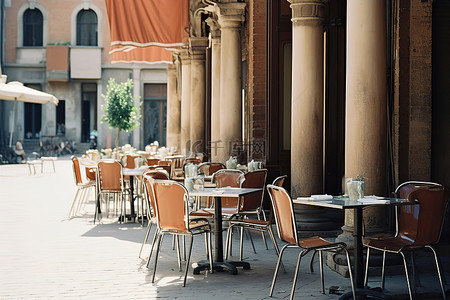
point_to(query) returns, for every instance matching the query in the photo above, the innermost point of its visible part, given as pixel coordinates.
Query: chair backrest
(152, 161)
(165, 163)
(167, 168)
(284, 214)
(157, 174)
(149, 177)
(227, 177)
(403, 190)
(130, 161)
(279, 180)
(76, 171)
(110, 176)
(255, 179)
(429, 219)
(90, 173)
(171, 205)
(209, 168)
(407, 222)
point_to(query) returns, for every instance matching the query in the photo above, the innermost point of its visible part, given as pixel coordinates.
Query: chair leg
(383, 271)
(158, 246)
(228, 241)
(210, 251)
(415, 274)
(241, 243)
(178, 252)
(350, 272)
(276, 270)
(366, 274)
(73, 203)
(407, 275)
(249, 235)
(311, 262)
(438, 268)
(187, 260)
(321, 271)
(297, 268)
(153, 245)
(149, 227)
(275, 245)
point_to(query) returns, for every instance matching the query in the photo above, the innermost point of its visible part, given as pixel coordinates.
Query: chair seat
(250, 222)
(395, 244)
(316, 242)
(201, 213)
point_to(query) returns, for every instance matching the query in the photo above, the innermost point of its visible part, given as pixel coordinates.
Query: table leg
(359, 262)
(358, 247)
(219, 264)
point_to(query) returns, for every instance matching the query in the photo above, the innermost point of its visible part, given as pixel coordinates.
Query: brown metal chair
(82, 186)
(110, 182)
(209, 168)
(419, 227)
(252, 204)
(254, 224)
(172, 214)
(224, 178)
(287, 232)
(152, 161)
(149, 177)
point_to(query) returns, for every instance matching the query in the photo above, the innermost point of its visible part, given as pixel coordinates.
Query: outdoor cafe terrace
(45, 254)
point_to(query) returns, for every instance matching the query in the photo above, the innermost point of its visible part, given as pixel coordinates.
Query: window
(32, 28)
(87, 28)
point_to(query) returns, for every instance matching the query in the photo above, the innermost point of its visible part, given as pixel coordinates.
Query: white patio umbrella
(16, 91)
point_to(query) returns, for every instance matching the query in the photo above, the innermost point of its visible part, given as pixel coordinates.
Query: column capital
(308, 12)
(230, 14)
(198, 47)
(214, 27)
(185, 56)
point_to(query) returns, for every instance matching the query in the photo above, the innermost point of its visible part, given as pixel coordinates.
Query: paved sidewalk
(43, 254)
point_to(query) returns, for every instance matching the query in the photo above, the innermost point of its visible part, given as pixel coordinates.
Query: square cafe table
(219, 263)
(343, 202)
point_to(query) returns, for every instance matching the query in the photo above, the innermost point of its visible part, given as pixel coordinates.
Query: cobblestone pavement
(44, 255)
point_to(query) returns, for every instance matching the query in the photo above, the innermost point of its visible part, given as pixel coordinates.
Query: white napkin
(373, 200)
(322, 197)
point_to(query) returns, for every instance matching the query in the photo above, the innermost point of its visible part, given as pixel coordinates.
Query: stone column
(173, 108)
(215, 86)
(307, 97)
(198, 93)
(230, 17)
(185, 131)
(366, 128)
(307, 115)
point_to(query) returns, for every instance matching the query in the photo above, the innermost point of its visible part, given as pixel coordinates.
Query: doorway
(88, 110)
(155, 113)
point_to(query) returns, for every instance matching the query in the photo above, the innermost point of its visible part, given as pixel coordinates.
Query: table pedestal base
(228, 265)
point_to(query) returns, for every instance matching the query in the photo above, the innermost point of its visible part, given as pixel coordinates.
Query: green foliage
(119, 110)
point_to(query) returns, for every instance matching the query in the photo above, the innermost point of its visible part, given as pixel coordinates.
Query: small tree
(119, 110)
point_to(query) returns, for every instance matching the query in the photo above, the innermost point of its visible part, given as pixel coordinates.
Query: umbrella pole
(11, 124)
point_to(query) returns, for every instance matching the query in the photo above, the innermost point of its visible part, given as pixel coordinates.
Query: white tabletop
(343, 202)
(224, 192)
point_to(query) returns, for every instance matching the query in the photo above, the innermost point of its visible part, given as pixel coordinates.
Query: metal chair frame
(287, 232)
(413, 245)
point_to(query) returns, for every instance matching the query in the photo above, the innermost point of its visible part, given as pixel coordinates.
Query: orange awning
(150, 54)
(136, 25)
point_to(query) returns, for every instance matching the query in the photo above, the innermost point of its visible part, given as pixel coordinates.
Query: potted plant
(119, 110)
